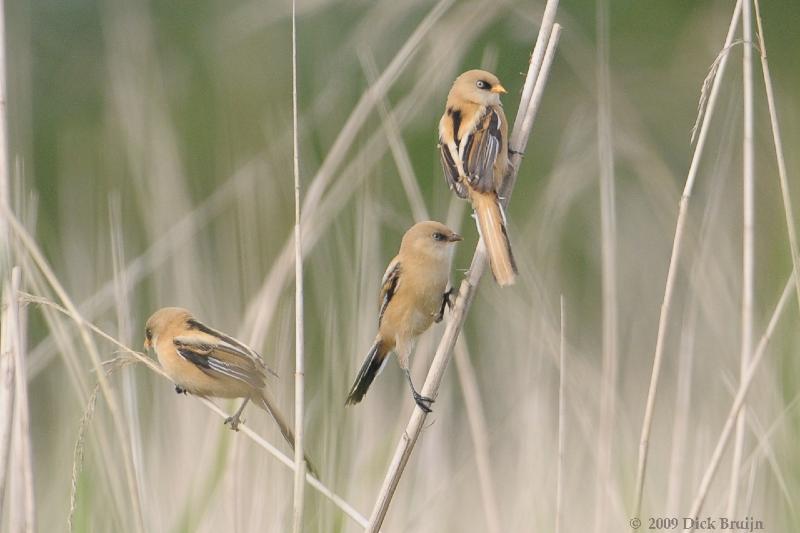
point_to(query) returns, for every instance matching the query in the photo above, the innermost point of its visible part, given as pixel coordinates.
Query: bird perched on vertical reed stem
(413, 295)
(473, 144)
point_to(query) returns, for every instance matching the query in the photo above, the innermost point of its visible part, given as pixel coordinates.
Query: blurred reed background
(150, 156)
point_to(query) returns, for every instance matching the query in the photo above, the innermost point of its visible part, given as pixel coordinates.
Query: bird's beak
(455, 237)
(146, 344)
(499, 89)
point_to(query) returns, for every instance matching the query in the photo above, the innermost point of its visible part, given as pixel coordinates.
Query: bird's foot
(515, 152)
(423, 402)
(180, 390)
(233, 422)
(447, 301)
(448, 297)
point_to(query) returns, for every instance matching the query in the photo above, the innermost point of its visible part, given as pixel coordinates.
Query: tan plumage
(205, 362)
(413, 296)
(473, 144)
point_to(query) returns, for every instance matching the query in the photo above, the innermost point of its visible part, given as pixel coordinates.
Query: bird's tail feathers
(492, 228)
(265, 401)
(370, 368)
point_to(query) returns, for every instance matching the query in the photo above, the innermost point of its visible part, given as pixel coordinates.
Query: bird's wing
(480, 150)
(389, 286)
(230, 345)
(451, 174)
(217, 358)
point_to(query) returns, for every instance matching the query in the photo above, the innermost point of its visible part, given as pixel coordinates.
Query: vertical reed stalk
(480, 434)
(299, 359)
(748, 253)
(776, 137)
(5, 181)
(672, 271)
(741, 394)
(22, 452)
(6, 393)
(608, 224)
(562, 372)
(465, 295)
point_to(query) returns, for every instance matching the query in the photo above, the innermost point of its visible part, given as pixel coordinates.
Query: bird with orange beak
(473, 144)
(413, 296)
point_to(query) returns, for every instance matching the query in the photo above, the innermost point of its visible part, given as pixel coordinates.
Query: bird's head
(430, 238)
(161, 320)
(479, 87)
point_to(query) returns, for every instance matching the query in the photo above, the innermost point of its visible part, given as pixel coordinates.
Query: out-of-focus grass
(166, 105)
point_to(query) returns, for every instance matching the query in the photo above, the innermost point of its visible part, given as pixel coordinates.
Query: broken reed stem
(748, 255)
(243, 428)
(299, 342)
(672, 271)
(741, 394)
(776, 137)
(466, 293)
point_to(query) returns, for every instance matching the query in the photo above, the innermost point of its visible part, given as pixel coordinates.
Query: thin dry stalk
(680, 421)
(672, 271)
(5, 185)
(608, 223)
(22, 453)
(465, 296)
(741, 395)
(258, 311)
(537, 57)
(399, 151)
(36, 255)
(704, 90)
(317, 221)
(476, 417)
(130, 391)
(299, 353)
(776, 137)
(80, 442)
(562, 372)
(243, 428)
(748, 254)
(6, 391)
(338, 501)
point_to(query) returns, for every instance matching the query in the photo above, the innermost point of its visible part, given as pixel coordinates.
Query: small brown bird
(473, 144)
(205, 362)
(413, 295)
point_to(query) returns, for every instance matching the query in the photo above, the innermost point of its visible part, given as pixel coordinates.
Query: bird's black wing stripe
(455, 114)
(211, 365)
(481, 152)
(388, 290)
(451, 171)
(197, 359)
(193, 323)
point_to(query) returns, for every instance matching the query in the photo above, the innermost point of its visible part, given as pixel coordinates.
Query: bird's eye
(482, 84)
(149, 334)
(438, 236)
